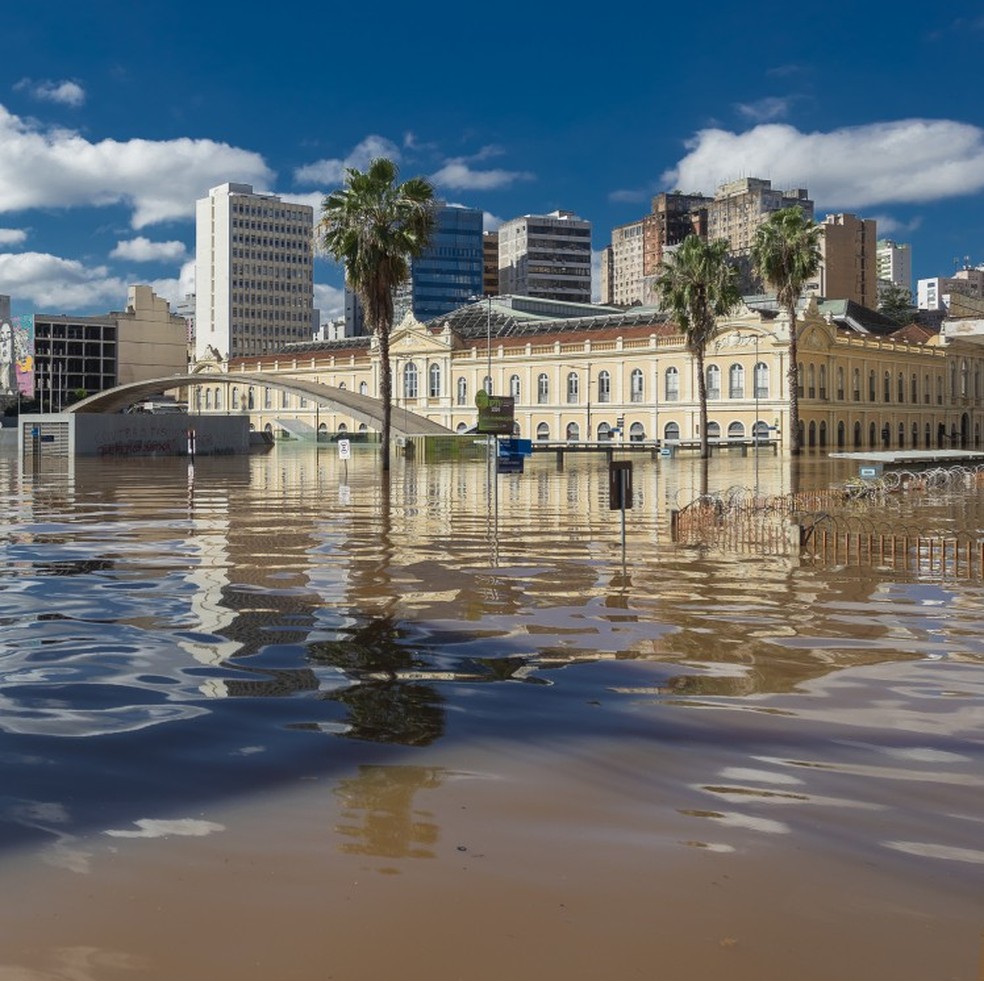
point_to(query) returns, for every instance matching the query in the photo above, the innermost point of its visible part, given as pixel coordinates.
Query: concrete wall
(142, 434)
(151, 341)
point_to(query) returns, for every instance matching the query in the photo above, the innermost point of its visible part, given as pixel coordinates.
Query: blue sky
(115, 116)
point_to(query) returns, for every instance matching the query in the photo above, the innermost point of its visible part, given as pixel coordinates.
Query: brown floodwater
(260, 719)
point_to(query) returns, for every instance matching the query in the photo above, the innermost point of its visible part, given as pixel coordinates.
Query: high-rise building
(546, 256)
(740, 206)
(895, 263)
(622, 266)
(848, 260)
(254, 272)
(448, 273)
(490, 263)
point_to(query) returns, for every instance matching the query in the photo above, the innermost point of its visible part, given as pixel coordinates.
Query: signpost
(620, 491)
(496, 414)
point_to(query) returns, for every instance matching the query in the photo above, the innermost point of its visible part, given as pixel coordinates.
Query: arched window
(736, 382)
(856, 385)
(251, 397)
(671, 431)
(841, 435)
(604, 386)
(840, 383)
(964, 379)
(953, 379)
(760, 431)
(543, 431)
(363, 388)
(342, 428)
(604, 432)
(857, 435)
(914, 391)
(812, 434)
(514, 386)
(901, 435)
(268, 428)
(322, 428)
(872, 435)
(760, 380)
(572, 386)
(267, 397)
(410, 374)
(542, 389)
(487, 384)
(822, 390)
(284, 399)
(672, 385)
(927, 390)
(714, 430)
(637, 432)
(871, 385)
(573, 432)
(939, 390)
(736, 430)
(713, 381)
(218, 398)
(887, 387)
(901, 387)
(462, 391)
(811, 381)
(208, 398)
(363, 427)
(461, 427)
(636, 385)
(434, 381)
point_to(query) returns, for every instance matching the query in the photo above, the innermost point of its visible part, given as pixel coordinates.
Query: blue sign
(515, 447)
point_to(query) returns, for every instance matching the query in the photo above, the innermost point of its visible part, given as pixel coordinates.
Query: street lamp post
(488, 339)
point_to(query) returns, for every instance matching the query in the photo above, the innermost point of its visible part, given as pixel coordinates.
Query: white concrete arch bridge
(361, 408)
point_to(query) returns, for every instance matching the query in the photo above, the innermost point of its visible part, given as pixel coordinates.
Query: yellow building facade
(630, 377)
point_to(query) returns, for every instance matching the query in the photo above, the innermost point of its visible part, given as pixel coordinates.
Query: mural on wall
(17, 356)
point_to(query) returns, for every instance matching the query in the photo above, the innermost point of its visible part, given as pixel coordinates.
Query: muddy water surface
(261, 720)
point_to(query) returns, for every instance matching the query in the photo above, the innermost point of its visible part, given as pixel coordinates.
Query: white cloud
(887, 225)
(54, 284)
(764, 110)
(330, 300)
(856, 167)
(628, 196)
(66, 93)
(332, 172)
(12, 236)
(159, 179)
(175, 290)
(491, 222)
(142, 249)
(459, 175)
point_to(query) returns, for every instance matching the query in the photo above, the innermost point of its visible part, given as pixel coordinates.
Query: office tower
(895, 263)
(546, 256)
(848, 264)
(448, 273)
(254, 272)
(490, 263)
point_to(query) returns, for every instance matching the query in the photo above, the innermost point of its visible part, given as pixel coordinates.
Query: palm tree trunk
(705, 450)
(386, 393)
(795, 444)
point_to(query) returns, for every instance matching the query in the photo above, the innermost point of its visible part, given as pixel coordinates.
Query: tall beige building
(254, 272)
(740, 206)
(849, 260)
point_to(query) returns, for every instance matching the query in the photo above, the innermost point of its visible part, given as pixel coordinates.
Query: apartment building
(546, 256)
(932, 292)
(740, 206)
(622, 266)
(894, 263)
(490, 263)
(254, 272)
(848, 260)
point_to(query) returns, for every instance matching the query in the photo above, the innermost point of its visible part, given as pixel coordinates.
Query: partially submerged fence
(841, 526)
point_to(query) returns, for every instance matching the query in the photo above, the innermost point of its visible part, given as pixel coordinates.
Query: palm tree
(699, 284)
(786, 254)
(375, 226)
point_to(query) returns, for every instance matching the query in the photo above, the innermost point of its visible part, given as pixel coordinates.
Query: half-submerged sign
(496, 413)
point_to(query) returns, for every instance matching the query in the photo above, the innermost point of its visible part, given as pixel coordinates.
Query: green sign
(495, 413)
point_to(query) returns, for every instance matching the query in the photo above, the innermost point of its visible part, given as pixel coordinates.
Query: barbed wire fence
(859, 522)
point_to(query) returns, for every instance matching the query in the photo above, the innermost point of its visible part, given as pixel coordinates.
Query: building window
(671, 431)
(760, 380)
(636, 385)
(487, 385)
(462, 392)
(410, 381)
(823, 381)
(637, 432)
(434, 381)
(887, 387)
(672, 382)
(604, 387)
(604, 432)
(251, 397)
(713, 430)
(573, 432)
(736, 382)
(572, 387)
(856, 385)
(543, 431)
(914, 394)
(713, 381)
(871, 386)
(514, 386)
(235, 396)
(542, 389)
(901, 387)
(736, 430)
(363, 388)
(840, 384)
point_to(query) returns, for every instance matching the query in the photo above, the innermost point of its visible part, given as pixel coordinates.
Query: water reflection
(379, 813)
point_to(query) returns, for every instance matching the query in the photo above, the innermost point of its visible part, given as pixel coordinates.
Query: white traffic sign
(344, 449)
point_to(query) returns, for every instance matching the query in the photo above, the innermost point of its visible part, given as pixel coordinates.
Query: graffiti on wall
(17, 356)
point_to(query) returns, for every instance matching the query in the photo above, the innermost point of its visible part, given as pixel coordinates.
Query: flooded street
(261, 720)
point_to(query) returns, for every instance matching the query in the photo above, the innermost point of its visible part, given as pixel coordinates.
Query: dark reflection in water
(171, 636)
